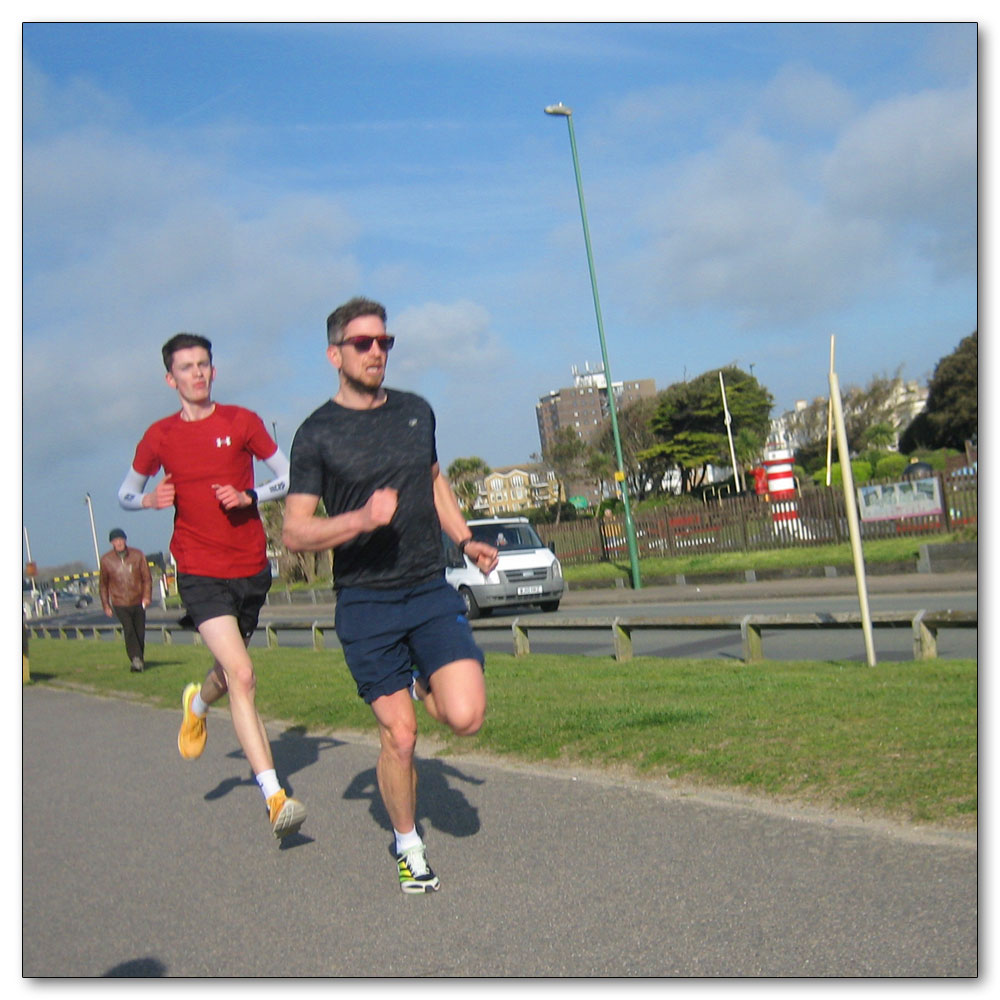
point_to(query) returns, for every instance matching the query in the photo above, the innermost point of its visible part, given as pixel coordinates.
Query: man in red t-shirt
(206, 451)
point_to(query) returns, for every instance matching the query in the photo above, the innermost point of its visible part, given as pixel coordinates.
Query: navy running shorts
(386, 635)
(206, 597)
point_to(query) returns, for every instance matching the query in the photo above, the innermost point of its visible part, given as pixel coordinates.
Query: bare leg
(233, 673)
(397, 777)
(458, 696)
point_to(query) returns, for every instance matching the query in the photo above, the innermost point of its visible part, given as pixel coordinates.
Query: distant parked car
(67, 598)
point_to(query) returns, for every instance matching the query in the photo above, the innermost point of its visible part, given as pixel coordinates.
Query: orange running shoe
(194, 734)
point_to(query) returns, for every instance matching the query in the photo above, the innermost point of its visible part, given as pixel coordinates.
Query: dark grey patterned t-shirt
(344, 455)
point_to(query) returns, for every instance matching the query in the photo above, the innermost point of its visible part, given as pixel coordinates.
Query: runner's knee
(399, 738)
(241, 680)
(466, 721)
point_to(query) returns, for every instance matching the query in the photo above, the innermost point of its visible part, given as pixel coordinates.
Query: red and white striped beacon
(778, 461)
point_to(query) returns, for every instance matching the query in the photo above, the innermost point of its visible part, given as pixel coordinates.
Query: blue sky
(752, 189)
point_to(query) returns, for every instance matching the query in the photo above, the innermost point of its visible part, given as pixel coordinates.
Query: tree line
(682, 430)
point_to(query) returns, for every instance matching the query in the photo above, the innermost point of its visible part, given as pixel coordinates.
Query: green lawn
(887, 550)
(897, 741)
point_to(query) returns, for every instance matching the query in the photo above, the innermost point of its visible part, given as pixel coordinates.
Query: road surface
(136, 862)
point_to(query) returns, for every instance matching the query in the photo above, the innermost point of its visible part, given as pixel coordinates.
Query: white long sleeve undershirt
(130, 493)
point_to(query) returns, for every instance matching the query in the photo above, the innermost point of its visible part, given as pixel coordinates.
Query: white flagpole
(729, 432)
(853, 524)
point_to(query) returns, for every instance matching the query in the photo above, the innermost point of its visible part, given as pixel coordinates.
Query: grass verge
(898, 741)
(884, 550)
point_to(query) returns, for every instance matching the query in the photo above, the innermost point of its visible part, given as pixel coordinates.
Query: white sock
(198, 706)
(404, 841)
(268, 781)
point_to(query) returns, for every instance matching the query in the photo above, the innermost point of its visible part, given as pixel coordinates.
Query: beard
(364, 388)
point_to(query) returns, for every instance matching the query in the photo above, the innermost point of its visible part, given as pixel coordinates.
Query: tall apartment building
(584, 405)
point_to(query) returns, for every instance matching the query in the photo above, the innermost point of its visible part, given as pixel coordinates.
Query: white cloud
(800, 97)
(737, 232)
(47, 108)
(775, 228)
(911, 163)
(455, 338)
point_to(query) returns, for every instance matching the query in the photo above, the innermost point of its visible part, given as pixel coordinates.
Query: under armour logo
(219, 442)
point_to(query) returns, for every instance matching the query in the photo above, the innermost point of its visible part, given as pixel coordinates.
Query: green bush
(861, 471)
(891, 465)
(938, 459)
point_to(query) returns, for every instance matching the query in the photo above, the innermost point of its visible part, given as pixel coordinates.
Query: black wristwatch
(463, 543)
(253, 496)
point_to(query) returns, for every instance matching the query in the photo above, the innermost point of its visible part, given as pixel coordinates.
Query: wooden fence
(748, 523)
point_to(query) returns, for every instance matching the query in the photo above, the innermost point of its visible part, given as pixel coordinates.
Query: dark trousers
(133, 619)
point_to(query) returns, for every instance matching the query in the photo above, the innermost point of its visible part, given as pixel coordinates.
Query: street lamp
(633, 553)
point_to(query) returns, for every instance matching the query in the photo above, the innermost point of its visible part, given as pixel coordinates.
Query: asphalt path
(138, 863)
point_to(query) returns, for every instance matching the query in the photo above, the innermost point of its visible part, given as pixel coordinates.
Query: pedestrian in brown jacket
(126, 590)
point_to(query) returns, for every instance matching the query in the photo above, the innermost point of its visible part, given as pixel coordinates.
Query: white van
(527, 573)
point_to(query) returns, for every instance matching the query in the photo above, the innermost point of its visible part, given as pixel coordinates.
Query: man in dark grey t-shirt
(370, 455)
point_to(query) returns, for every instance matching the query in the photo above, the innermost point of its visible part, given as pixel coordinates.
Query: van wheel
(550, 605)
(471, 608)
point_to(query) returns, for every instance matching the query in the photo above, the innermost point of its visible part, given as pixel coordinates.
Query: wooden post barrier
(926, 625)
(621, 639)
(923, 624)
(924, 638)
(753, 642)
(520, 634)
(319, 639)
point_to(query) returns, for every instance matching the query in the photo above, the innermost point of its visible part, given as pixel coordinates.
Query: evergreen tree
(951, 414)
(689, 421)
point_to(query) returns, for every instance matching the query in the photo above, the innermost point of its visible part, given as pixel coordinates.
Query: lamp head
(559, 109)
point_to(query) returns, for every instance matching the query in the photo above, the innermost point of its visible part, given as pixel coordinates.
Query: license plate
(536, 589)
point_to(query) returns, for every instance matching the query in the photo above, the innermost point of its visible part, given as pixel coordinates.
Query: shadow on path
(137, 968)
(293, 751)
(445, 807)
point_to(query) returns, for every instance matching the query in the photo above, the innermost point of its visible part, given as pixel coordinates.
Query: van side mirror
(552, 547)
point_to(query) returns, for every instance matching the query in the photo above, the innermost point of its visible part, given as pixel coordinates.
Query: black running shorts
(206, 597)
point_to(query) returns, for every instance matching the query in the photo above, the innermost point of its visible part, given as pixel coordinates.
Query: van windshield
(507, 536)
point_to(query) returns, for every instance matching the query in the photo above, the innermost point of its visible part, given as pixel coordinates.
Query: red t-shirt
(207, 540)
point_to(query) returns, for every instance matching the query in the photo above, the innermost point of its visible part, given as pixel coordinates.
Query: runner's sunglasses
(364, 344)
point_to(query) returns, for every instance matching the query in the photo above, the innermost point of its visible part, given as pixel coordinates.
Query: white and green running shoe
(415, 874)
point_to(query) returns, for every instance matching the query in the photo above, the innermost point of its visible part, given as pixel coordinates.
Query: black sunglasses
(364, 344)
